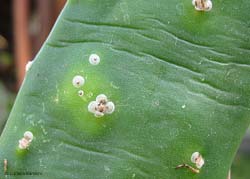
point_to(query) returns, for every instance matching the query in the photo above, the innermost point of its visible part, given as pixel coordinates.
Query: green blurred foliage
(6, 102)
(240, 167)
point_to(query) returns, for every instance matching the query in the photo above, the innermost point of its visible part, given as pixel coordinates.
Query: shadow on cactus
(134, 89)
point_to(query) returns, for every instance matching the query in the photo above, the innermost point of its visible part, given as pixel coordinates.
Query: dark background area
(24, 26)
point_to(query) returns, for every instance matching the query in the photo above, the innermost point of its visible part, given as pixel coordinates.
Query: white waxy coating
(94, 59)
(101, 98)
(28, 65)
(110, 107)
(28, 135)
(80, 92)
(78, 81)
(92, 106)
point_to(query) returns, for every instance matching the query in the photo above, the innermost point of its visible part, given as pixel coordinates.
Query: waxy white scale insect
(26, 140)
(197, 159)
(110, 107)
(78, 81)
(202, 5)
(94, 59)
(28, 65)
(80, 92)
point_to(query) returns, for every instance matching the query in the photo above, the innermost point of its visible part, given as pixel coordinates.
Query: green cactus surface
(179, 79)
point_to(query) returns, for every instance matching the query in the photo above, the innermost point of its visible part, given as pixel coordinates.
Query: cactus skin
(179, 80)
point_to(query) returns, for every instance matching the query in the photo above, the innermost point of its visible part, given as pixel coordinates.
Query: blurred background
(24, 26)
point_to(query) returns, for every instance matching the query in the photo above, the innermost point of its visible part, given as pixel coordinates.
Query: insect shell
(78, 81)
(202, 5)
(197, 159)
(25, 142)
(94, 59)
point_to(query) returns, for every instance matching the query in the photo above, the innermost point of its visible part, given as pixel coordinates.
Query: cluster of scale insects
(102, 105)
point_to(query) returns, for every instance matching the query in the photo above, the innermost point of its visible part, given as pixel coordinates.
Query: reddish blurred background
(24, 26)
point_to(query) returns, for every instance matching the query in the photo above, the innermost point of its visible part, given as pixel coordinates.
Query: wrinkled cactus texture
(179, 79)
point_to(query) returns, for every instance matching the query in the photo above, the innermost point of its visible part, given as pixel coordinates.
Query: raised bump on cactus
(202, 5)
(197, 159)
(94, 59)
(78, 81)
